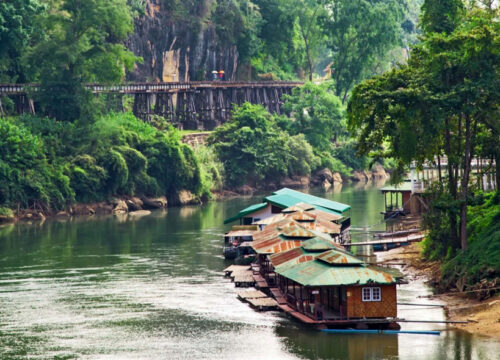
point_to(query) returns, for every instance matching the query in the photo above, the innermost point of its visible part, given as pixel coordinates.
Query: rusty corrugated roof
(318, 243)
(297, 231)
(275, 245)
(302, 216)
(334, 257)
(298, 207)
(325, 215)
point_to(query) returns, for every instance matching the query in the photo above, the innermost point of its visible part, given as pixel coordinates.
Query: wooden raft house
(302, 264)
(336, 289)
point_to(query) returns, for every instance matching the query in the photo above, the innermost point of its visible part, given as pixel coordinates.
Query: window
(371, 294)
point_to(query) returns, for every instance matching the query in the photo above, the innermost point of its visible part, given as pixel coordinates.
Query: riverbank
(483, 316)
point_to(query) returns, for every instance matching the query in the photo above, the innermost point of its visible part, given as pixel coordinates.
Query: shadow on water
(151, 287)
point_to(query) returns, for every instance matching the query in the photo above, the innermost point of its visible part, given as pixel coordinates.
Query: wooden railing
(133, 88)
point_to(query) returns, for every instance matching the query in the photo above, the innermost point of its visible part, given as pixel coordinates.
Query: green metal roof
(246, 211)
(319, 273)
(404, 186)
(288, 197)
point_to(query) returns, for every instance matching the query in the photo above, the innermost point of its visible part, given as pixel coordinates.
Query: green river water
(152, 288)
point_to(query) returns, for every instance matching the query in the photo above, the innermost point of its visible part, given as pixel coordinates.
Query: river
(151, 288)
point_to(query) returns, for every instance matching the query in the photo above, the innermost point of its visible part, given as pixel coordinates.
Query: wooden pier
(389, 243)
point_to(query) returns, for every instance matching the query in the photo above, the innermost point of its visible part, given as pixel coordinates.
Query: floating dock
(258, 300)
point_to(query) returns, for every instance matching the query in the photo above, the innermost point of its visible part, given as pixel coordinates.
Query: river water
(151, 288)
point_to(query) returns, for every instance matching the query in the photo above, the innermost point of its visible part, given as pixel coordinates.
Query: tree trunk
(465, 183)
(309, 62)
(439, 167)
(497, 172)
(452, 184)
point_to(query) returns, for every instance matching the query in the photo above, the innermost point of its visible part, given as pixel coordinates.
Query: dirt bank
(484, 316)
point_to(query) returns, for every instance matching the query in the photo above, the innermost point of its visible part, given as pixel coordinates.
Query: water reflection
(313, 345)
(151, 287)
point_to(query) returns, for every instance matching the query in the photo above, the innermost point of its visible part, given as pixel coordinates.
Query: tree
(437, 104)
(359, 32)
(307, 13)
(317, 113)
(83, 43)
(16, 31)
(254, 149)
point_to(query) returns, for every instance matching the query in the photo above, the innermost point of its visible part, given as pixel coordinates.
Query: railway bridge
(188, 105)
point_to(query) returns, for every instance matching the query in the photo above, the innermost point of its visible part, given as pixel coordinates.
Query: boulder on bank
(154, 203)
(82, 209)
(120, 207)
(326, 184)
(134, 203)
(324, 174)
(337, 178)
(245, 190)
(358, 176)
(185, 197)
(378, 172)
(62, 215)
(297, 182)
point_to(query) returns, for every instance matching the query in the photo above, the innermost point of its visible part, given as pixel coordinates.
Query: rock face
(176, 47)
(155, 203)
(325, 174)
(296, 182)
(120, 207)
(358, 176)
(185, 197)
(337, 178)
(378, 172)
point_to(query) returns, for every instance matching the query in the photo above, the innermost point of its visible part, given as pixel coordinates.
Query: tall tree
(438, 102)
(359, 32)
(83, 43)
(17, 29)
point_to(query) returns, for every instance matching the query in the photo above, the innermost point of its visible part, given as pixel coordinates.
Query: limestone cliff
(179, 45)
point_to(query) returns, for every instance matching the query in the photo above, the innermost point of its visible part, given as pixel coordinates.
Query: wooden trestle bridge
(189, 105)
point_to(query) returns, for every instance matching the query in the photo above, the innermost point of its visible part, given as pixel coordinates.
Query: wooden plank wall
(357, 308)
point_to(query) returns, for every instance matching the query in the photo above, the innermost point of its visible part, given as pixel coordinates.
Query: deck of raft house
(303, 268)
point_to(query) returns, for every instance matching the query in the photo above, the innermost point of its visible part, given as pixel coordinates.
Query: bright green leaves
(254, 149)
(82, 43)
(318, 114)
(359, 34)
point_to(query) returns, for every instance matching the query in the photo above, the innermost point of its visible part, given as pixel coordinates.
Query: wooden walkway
(387, 241)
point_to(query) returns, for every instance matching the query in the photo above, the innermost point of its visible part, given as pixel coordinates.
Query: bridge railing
(20, 89)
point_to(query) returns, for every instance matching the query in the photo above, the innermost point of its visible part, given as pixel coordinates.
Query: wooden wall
(357, 308)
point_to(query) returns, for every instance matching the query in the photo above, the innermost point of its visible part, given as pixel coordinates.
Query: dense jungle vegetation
(74, 149)
(405, 81)
(444, 102)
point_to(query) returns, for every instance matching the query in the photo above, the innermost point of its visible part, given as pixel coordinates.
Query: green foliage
(441, 16)
(83, 43)
(320, 116)
(26, 176)
(212, 170)
(48, 163)
(254, 149)
(17, 30)
(360, 33)
(8, 213)
(482, 258)
(317, 113)
(302, 158)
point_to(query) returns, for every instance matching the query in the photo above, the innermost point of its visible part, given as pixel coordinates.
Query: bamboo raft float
(257, 300)
(241, 275)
